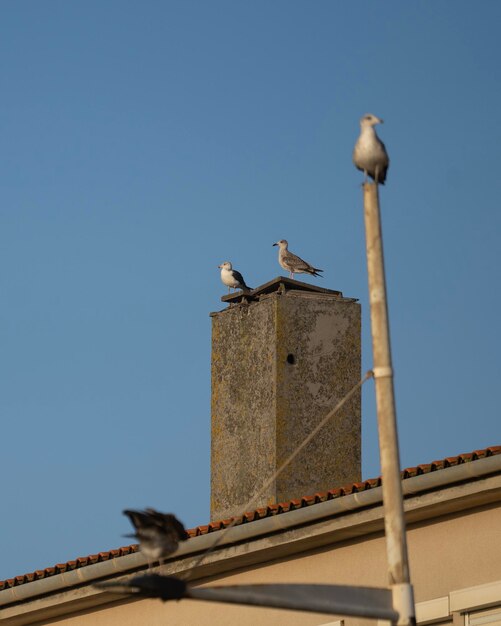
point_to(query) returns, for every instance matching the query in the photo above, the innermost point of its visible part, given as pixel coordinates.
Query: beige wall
(451, 553)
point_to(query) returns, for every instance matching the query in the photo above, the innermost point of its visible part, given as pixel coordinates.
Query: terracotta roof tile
(284, 507)
(250, 516)
(438, 465)
(321, 497)
(349, 489)
(360, 486)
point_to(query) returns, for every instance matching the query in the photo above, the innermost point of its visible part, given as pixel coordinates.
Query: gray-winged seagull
(232, 278)
(369, 154)
(292, 263)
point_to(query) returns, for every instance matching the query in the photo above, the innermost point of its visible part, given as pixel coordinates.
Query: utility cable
(252, 502)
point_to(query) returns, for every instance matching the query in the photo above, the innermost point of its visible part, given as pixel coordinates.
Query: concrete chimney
(282, 357)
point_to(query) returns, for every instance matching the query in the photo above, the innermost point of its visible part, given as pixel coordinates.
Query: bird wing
(385, 153)
(240, 280)
(383, 162)
(171, 525)
(137, 518)
(297, 263)
(237, 276)
(150, 519)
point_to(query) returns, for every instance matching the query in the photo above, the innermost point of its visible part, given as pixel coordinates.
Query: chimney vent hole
(291, 359)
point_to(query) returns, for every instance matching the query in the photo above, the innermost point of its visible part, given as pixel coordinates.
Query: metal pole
(396, 544)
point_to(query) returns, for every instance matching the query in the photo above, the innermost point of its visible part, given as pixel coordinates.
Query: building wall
(279, 366)
(447, 554)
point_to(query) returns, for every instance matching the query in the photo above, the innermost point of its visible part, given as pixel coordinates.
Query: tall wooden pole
(396, 544)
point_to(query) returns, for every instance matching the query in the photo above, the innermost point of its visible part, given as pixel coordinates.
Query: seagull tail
(314, 272)
(381, 176)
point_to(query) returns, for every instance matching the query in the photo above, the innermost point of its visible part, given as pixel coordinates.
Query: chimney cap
(280, 284)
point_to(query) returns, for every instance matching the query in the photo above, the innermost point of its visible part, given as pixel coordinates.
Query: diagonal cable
(252, 502)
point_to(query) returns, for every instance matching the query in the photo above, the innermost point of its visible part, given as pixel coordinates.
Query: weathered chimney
(282, 357)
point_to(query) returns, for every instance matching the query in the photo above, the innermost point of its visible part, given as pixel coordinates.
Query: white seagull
(232, 278)
(292, 263)
(369, 154)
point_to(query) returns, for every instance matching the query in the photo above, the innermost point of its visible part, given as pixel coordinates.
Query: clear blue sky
(142, 144)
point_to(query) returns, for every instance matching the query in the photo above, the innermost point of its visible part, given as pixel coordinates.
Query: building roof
(260, 513)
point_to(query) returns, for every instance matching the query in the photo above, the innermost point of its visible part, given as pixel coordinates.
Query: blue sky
(142, 144)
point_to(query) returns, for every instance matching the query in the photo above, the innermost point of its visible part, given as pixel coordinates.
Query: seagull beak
(381, 121)
(275, 244)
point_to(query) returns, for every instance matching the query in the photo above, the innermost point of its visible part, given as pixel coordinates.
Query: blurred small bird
(292, 263)
(232, 278)
(369, 154)
(158, 533)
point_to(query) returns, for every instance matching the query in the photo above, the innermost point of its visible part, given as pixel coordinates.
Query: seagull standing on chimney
(232, 278)
(369, 154)
(158, 533)
(292, 263)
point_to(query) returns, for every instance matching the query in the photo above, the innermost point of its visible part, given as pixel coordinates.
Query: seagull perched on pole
(158, 533)
(292, 263)
(232, 278)
(369, 154)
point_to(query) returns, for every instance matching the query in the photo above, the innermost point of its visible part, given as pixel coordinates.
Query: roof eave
(427, 496)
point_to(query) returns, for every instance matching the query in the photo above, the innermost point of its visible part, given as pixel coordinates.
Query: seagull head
(369, 120)
(282, 244)
(225, 266)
